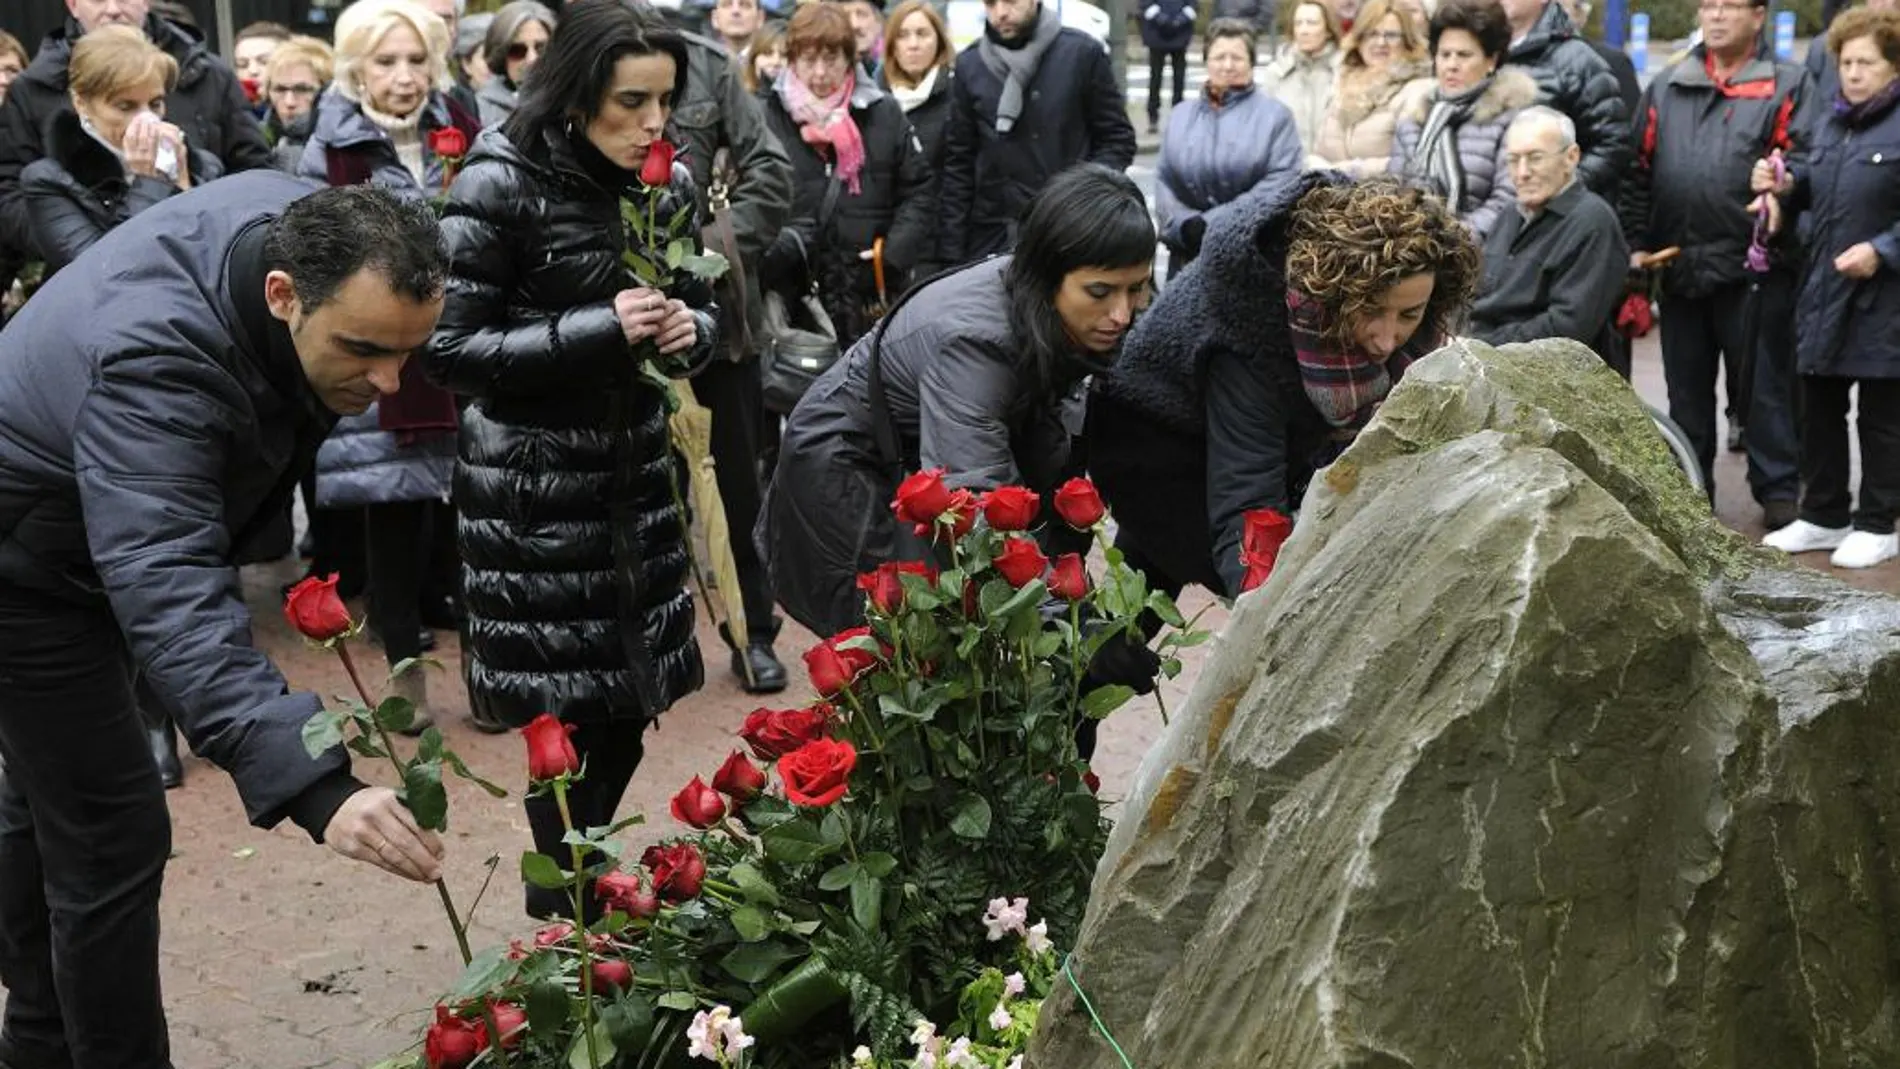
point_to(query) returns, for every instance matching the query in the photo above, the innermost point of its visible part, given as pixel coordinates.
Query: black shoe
(1778, 514)
(758, 668)
(171, 771)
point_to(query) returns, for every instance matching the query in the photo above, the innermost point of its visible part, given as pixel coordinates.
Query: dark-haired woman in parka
(574, 553)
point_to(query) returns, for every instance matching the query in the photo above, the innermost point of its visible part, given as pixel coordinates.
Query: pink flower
(1004, 916)
(1000, 1018)
(1014, 985)
(1037, 937)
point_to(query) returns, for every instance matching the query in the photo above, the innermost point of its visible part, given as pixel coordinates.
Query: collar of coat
(1511, 90)
(1755, 80)
(1361, 91)
(179, 42)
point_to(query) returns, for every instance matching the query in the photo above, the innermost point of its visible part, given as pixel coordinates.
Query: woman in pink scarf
(860, 177)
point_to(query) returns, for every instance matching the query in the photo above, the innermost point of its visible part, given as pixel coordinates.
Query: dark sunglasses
(520, 49)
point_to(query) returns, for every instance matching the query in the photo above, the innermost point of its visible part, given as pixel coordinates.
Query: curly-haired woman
(1254, 371)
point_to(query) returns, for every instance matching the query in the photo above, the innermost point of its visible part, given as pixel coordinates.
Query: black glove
(1126, 661)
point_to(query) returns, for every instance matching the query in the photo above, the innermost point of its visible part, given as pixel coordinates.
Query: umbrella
(691, 425)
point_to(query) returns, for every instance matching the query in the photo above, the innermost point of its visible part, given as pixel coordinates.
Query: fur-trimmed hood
(1361, 91)
(1511, 90)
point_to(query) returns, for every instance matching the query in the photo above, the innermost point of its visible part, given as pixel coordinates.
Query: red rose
(1092, 781)
(1068, 580)
(550, 751)
(510, 1020)
(553, 935)
(252, 89)
(658, 169)
(921, 497)
(1011, 508)
(698, 805)
(859, 660)
(1079, 505)
(451, 1042)
(818, 773)
(1021, 562)
(739, 779)
(1262, 533)
(313, 608)
(678, 870)
(448, 143)
(612, 974)
(625, 892)
(773, 733)
(832, 666)
(962, 512)
(885, 584)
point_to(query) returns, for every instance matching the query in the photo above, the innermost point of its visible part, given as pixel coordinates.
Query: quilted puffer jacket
(574, 554)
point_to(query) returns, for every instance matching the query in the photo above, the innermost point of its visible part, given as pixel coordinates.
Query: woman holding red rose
(574, 553)
(976, 376)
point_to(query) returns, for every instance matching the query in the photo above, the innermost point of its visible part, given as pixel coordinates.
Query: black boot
(171, 771)
(757, 666)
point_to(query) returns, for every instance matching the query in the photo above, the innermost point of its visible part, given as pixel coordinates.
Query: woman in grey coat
(1452, 141)
(1228, 140)
(516, 41)
(1302, 76)
(979, 372)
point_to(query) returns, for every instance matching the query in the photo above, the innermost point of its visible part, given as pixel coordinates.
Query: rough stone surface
(1517, 761)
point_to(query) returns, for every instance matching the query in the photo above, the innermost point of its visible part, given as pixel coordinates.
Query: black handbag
(798, 341)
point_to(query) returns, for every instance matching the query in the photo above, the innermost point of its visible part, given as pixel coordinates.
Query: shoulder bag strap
(722, 228)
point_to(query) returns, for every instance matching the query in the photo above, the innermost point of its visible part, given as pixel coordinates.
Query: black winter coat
(207, 104)
(1572, 78)
(157, 419)
(893, 202)
(958, 398)
(1167, 25)
(80, 190)
(1203, 417)
(1850, 190)
(574, 554)
(930, 119)
(1073, 110)
(1696, 144)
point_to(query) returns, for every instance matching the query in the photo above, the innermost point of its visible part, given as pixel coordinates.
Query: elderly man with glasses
(1554, 267)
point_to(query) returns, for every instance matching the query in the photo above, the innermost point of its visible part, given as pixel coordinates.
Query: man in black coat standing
(161, 396)
(207, 103)
(1574, 79)
(1030, 99)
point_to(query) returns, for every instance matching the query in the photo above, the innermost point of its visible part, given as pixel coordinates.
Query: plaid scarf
(1345, 384)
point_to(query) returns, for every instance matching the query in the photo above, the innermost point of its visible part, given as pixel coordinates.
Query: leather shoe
(758, 669)
(171, 771)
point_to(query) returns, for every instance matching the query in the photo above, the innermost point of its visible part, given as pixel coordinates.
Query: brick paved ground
(279, 955)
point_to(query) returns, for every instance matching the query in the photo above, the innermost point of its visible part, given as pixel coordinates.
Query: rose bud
(451, 1042)
(1021, 562)
(698, 805)
(921, 497)
(625, 892)
(963, 511)
(550, 751)
(884, 588)
(1069, 580)
(612, 974)
(1092, 781)
(448, 142)
(739, 779)
(510, 1020)
(1079, 504)
(856, 658)
(657, 171)
(818, 773)
(1262, 533)
(313, 608)
(678, 870)
(1011, 508)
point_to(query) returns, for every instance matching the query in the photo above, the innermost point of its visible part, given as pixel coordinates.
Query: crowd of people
(936, 260)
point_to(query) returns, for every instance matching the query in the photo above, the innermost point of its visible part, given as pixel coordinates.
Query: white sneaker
(1804, 537)
(1864, 549)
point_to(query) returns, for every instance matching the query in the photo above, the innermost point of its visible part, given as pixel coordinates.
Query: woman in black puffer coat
(574, 553)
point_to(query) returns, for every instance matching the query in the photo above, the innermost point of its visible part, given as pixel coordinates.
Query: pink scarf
(826, 122)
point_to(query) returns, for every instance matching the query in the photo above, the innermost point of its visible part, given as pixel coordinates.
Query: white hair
(1538, 115)
(364, 24)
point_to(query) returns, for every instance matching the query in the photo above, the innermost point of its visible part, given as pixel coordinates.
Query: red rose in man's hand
(448, 143)
(773, 733)
(1079, 505)
(818, 773)
(313, 608)
(451, 1042)
(921, 497)
(510, 1020)
(612, 974)
(1069, 580)
(1262, 533)
(550, 751)
(1011, 508)
(678, 870)
(698, 805)
(625, 892)
(1021, 562)
(739, 778)
(658, 169)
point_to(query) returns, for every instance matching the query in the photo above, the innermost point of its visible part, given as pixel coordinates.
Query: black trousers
(731, 391)
(1826, 464)
(84, 836)
(1156, 59)
(399, 544)
(1697, 333)
(610, 752)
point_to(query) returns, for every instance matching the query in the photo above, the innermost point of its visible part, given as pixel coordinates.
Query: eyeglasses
(298, 89)
(1536, 161)
(1389, 37)
(520, 49)
(815, 59)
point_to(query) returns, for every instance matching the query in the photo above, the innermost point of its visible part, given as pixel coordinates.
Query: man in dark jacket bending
(207, 103)
(160, 398)
(1030, 99)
